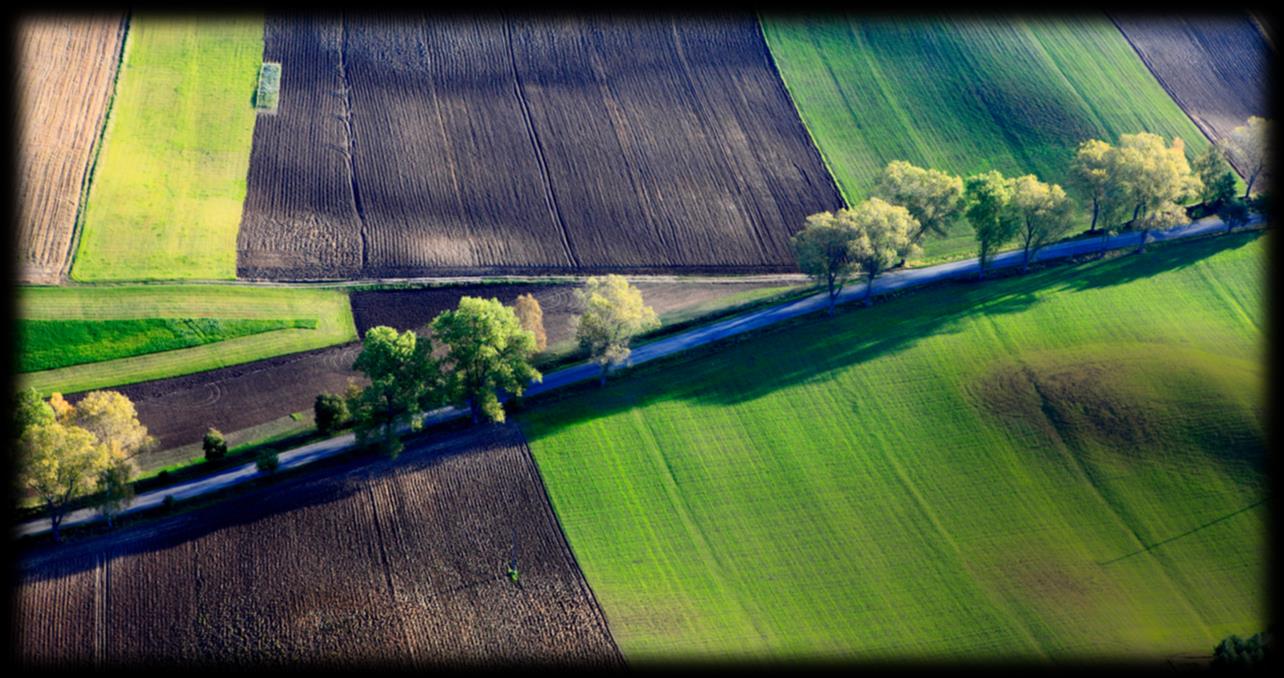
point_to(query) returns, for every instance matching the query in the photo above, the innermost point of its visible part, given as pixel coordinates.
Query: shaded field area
(178, 410)
(66, 68)
(966, 95)
(1214, 66)
(373, 563)
(1067, 465)
(252, 323)
(168, 187)
(529, 145)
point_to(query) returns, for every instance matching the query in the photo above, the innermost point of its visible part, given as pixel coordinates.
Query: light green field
(165, 202)
(1064, 465)
(50, 344)
(965, 96)
(327, 310)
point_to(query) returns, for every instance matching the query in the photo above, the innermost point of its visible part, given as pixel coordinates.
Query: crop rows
(385, 565)
(66, 67)
(493, 144)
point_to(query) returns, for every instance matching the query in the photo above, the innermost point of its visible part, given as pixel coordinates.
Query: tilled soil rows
(66, 70)
(415, 146)
(371, 563)
(1215, 67)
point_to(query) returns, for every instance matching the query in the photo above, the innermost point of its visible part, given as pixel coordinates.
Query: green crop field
(50, 344)
(166, 195)
(307, 319)
(1062, 465)
(965, 96)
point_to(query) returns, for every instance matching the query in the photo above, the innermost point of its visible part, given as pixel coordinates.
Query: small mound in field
(1133, 401)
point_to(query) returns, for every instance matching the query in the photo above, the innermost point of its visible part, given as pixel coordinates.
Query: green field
(313, 319)
(50, 344)
(1063, 465)
(165, 200)
(965, 96)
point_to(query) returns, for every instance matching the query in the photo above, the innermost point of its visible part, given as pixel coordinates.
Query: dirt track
(525, 145)
(66, 66)
(373, 563)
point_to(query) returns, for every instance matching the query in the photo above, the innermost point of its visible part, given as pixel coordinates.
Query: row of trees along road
(67, 451)
(470, 355)
(1141, 183)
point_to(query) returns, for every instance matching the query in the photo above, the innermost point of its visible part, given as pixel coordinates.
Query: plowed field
(371, 563)
(66, 68)
(525, 145)
(1215, 67)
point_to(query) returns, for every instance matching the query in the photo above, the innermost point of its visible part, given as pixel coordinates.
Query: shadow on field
(317, 485)
(814, 348)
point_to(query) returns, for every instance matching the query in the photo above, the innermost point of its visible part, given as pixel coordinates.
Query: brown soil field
(526, 145)
(1216, 67)
(66, 69)
(178, 410)
(365, 562)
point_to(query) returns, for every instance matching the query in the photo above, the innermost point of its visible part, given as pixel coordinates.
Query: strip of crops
(1067, 465)
(966, 95)
(307, 319)
(377, 564)
(49, 344)
(536, 145)
(66, 66)
(168, 187)
(1215, 67)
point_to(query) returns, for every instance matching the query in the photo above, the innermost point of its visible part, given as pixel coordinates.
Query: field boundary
(77, 225)
(696, 337)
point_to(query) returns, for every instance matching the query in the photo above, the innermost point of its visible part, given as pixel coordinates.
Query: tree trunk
(833, 294)
(1025, 264)
(1248, 189)
(475, 409)
(869, 291)
(1142, 246)
(1096, 208)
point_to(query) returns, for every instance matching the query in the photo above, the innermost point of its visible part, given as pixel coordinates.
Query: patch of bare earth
(66, 66)
(372, 562)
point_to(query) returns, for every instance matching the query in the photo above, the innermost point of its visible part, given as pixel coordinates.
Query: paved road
(660, 348)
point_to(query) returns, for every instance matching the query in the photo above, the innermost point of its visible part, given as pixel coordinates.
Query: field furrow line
(350, 147)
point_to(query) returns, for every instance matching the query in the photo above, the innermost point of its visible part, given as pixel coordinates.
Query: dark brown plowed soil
(1216, 67)
(446, 145)
(365, 563)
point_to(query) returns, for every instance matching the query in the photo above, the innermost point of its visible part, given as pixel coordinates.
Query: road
(660, 348)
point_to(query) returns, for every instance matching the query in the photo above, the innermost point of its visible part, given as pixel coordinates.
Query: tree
(30, 410)
(214, 445)
(1233, 213)
(933, 198)
(1249, 147)
(824, 252)
(60, 463)
(1091, 170)
(487, 350)
(267, 461)
(884, 235)
(1156, 179)
(614, 313)
(1044, 212)
(1257, 650)
(111, 417)
(331, 413)
(1217, 177)
(402, 375)
(115, 491)
(989, 210)
(531, 317)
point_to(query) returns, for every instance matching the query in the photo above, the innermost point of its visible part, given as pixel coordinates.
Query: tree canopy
(1249, 147)
(613, 313)
(933, 198)
(403, 382)
(487, 350)
(823, 249)
(989, 210)
(884, 235)
(1044, 211)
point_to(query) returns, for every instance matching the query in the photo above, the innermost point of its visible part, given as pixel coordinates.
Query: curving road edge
(660, 348)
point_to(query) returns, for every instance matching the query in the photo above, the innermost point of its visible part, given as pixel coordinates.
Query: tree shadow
(815, 349)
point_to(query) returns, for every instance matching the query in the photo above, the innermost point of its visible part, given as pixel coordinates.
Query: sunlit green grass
(312, 319)
(1062, 465)
(965, 95)
(166, 197)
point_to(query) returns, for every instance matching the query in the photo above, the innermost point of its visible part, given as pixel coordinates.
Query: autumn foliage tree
(932, 197)
(613, 313)
(1044, 212)
(531, 317)
(823, 250)
(1156, 179)
(884, 235)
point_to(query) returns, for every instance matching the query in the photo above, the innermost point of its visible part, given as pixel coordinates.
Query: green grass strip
(1062, 465)
(166, 196)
